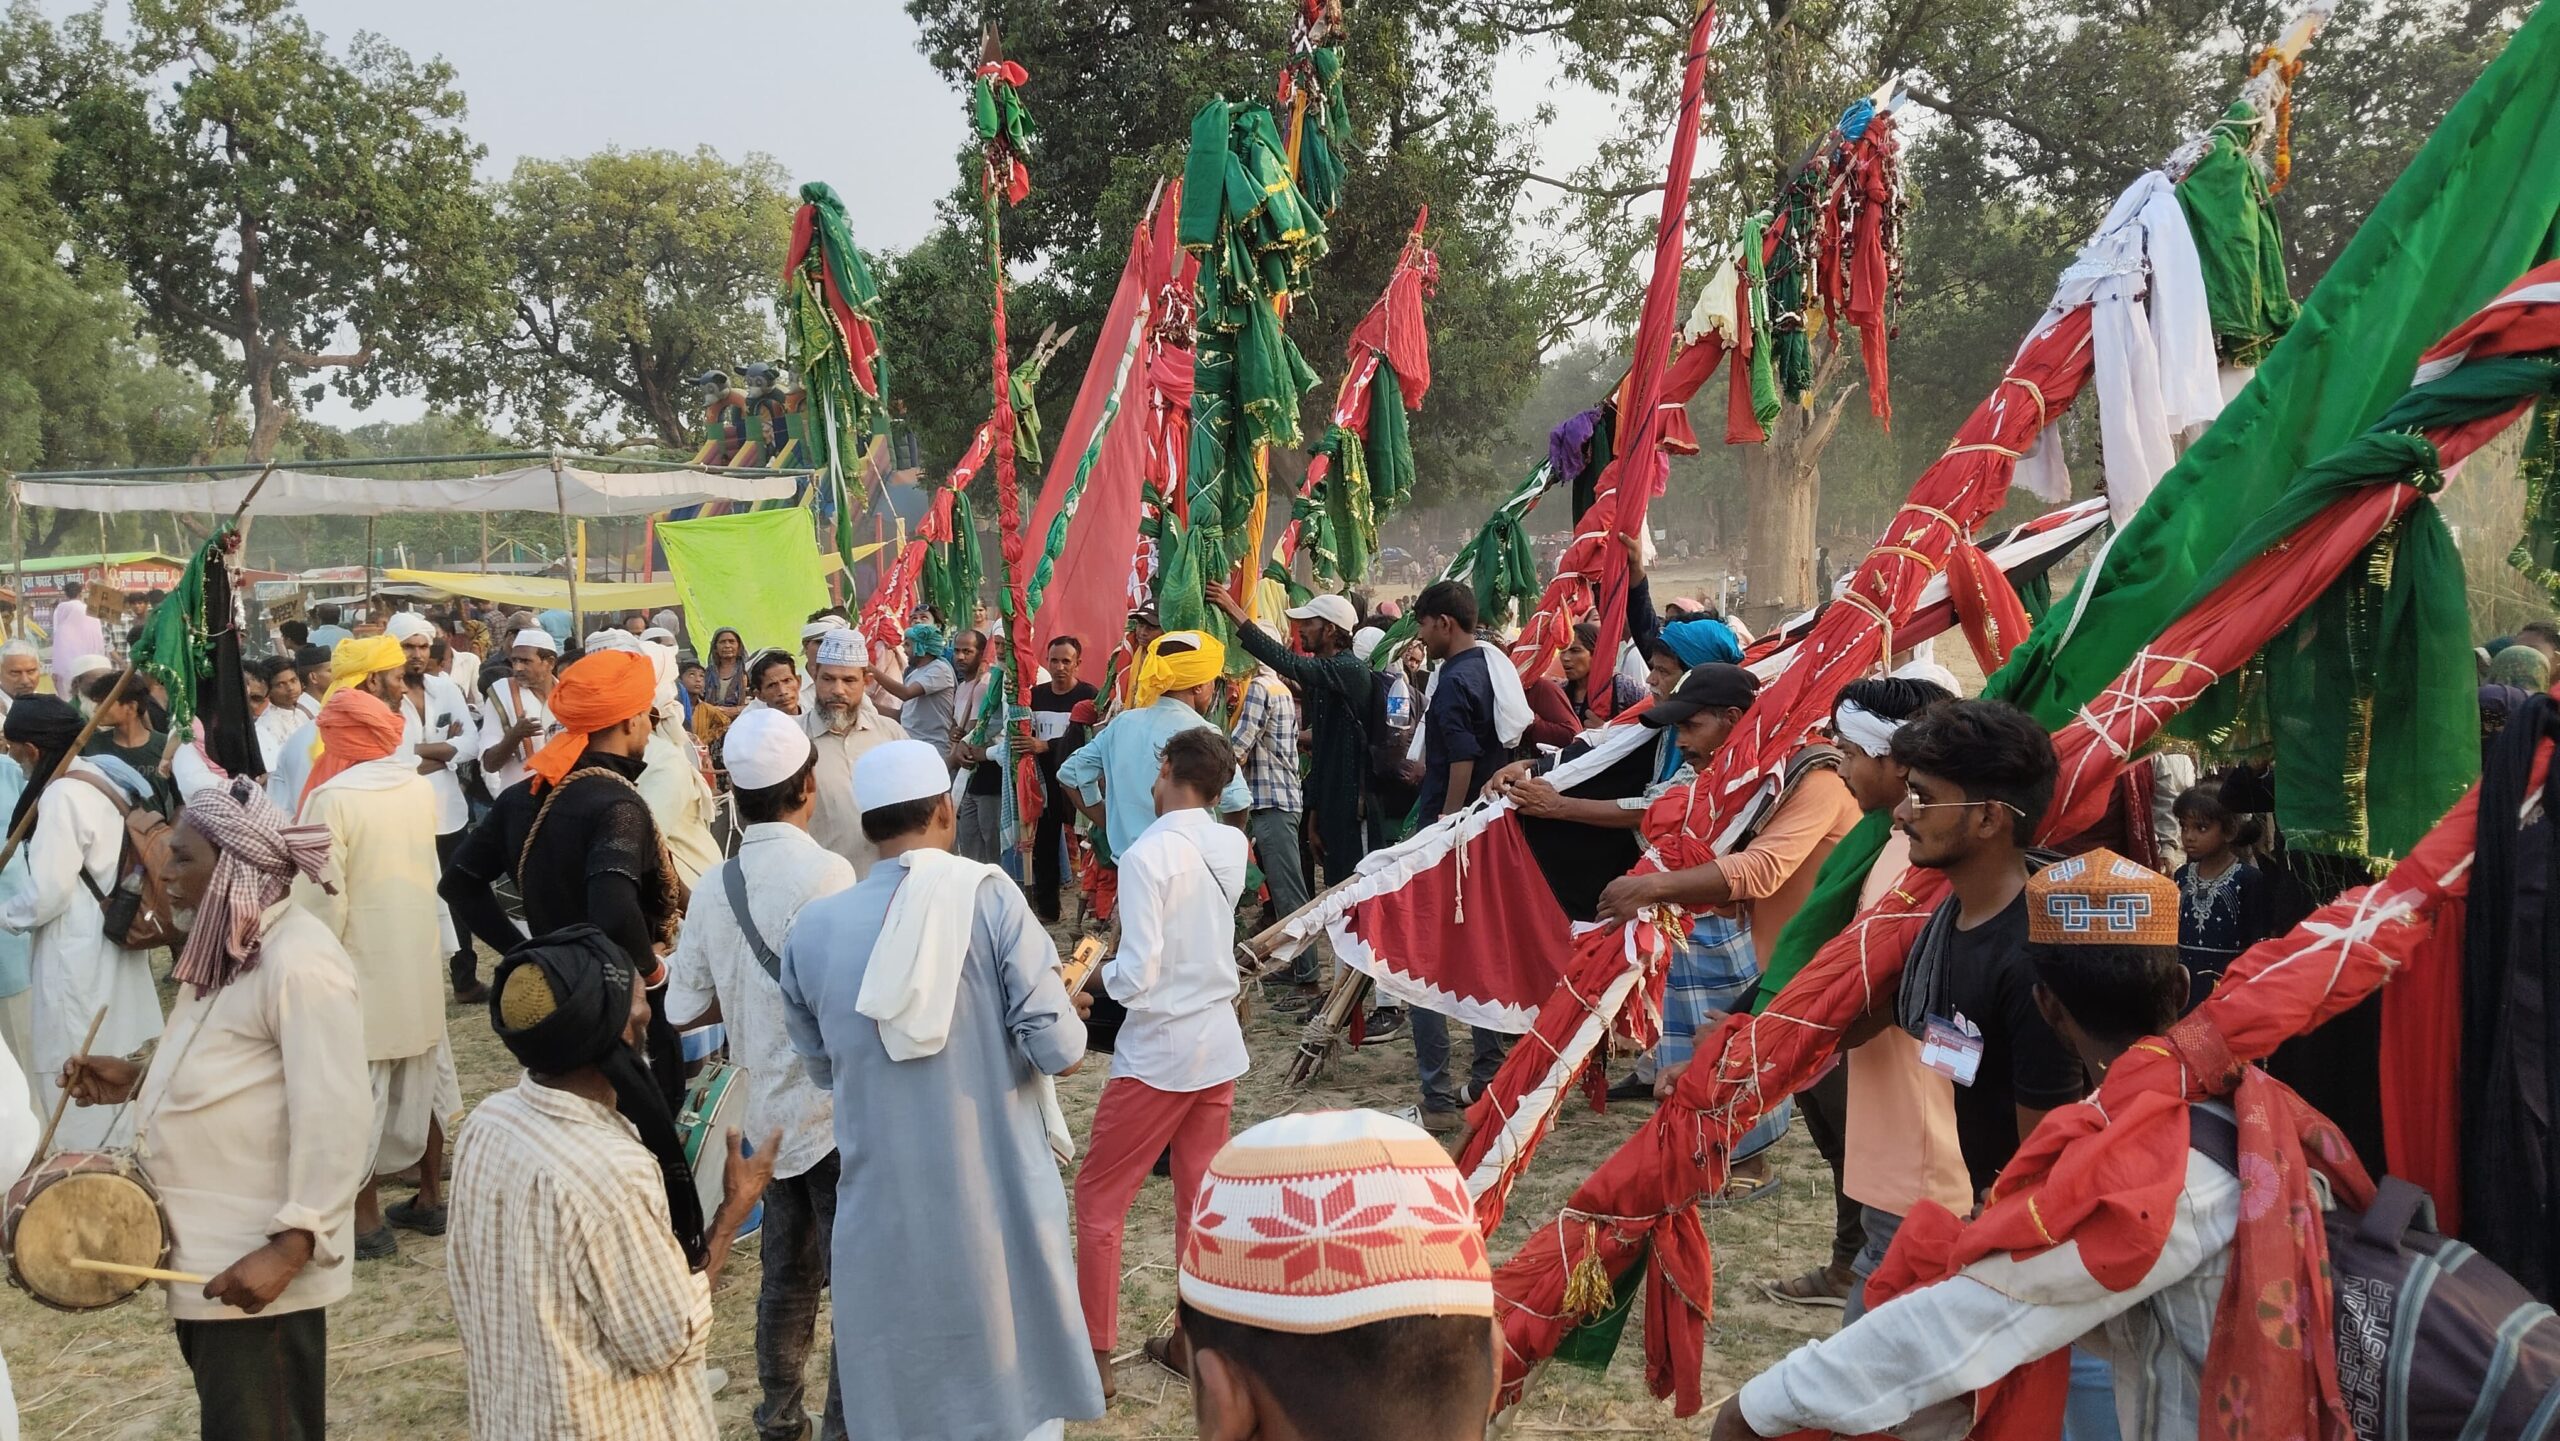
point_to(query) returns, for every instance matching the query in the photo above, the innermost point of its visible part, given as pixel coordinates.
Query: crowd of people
(813, 859)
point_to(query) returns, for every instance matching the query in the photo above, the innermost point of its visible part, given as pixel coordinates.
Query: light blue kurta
(955, 1297)
(1122, 760)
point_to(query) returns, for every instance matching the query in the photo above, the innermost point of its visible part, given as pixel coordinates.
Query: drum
(714, 1105)
(84, 1205)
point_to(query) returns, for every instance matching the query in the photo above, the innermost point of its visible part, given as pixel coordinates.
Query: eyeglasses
(1913, 799)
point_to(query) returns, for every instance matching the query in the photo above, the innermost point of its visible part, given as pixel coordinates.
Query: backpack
(2434, 1341)
(136, 914)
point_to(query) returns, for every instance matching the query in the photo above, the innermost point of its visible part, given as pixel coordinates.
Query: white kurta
(681, 805)
(246, 1126)
(509, 702)
(74, 967)
(382, 859)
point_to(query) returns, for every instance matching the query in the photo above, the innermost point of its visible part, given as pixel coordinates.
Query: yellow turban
(1161, 673)
(359, 656)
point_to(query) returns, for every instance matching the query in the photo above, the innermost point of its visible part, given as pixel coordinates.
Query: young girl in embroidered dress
(2223, 900)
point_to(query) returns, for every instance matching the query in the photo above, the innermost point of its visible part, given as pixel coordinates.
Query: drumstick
(139, 1273)
(44, 1147)
(1088, 954)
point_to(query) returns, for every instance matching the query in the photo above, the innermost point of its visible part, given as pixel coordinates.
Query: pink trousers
(1132, 1125)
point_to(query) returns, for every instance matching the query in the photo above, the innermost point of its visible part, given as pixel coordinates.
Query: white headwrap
(1869, 733)
(408, 625)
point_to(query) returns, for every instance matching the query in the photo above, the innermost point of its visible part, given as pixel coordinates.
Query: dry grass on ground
(396, 1365)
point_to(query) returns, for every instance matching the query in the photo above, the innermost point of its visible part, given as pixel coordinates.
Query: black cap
(1713, 686)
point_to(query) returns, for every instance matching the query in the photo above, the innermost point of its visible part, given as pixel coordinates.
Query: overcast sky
(836, 91)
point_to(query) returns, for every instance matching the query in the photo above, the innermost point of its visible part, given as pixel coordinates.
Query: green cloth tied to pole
(2231, 212)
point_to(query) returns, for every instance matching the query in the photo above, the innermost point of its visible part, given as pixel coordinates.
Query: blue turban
(925, 640)
(1702, 641)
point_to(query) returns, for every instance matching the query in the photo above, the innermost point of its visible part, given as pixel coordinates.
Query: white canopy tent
(569, 491)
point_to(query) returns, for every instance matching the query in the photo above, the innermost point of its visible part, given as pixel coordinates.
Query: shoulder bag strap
(115, 797)
(733, 878)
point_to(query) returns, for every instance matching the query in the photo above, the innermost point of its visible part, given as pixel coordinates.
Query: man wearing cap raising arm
(927, 998)
(727, 968)
(1113, 776)
(1335, 685)
(842, 724)
(1375, 1325)
(579, 1314)
(519, 709)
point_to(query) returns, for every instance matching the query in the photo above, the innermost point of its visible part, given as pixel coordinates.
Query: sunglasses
(1917, 802)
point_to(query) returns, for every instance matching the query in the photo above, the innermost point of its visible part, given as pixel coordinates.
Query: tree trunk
(1784, 481)
(268, 414)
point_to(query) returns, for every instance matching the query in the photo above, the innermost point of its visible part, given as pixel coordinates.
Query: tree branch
(1972, 115)
(1514, 176)
(306, 360)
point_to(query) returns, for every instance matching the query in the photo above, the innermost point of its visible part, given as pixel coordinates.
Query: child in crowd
(2223, 906)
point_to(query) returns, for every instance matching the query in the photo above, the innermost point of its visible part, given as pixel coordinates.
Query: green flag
(2475, 209)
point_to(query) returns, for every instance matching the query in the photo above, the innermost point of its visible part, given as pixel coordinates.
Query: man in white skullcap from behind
(1389, 1334)
(727, 968)
(518, 717)
(837, 715)
(927, 999)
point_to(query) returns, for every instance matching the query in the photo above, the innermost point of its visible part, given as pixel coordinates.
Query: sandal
(1813, 1288)
(377, 1245)
(1739, 1190)
(1171, 1354)
(410, 1216)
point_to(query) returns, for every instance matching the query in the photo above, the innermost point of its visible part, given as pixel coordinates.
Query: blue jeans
(2089, 1414)
(799, 1219)
(1431, 1059)
(1879, 1227)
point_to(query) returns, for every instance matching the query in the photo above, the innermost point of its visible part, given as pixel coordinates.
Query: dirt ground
(396, 1365)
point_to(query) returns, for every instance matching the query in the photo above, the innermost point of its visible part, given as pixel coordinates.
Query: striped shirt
(1266, 742)
(579, 1317)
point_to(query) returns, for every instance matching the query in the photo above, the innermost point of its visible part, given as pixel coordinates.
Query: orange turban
(354, 728)
(605, 687)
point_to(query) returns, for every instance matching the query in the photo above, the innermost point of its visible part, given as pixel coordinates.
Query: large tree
(287, 216)
(628, 274)
(1114, 86)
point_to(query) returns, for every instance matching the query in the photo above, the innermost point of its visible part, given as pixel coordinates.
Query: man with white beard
(842, 724)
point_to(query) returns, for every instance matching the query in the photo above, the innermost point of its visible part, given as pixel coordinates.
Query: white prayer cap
(1328, 607)
(843, 647)
(89, 665)
(900, 771)
(408, 625)
(534, 637)
(763, 747)
(659, 635)
(821, 626)
(1365, 642)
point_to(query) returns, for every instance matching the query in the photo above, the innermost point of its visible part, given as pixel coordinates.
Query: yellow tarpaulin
(542, 592)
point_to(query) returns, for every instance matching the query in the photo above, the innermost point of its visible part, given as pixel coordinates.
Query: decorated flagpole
(1004, 128)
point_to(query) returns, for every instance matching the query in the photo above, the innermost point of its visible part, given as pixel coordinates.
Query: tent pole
(560, 497)
(17, 557)
(368, 563)
(484, 542)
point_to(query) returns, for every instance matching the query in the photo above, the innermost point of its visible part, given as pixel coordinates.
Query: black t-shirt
(1991, 985)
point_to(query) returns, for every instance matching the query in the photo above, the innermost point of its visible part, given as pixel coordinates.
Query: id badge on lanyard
(1953, 1049)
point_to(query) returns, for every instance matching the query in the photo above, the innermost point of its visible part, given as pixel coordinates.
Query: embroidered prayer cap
(534, 638)
(763, 747)
(1327, 1220)
(843, 647)
(902, 770)
(2101, 899)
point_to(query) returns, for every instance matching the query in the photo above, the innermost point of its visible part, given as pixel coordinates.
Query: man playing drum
(243, 1122)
